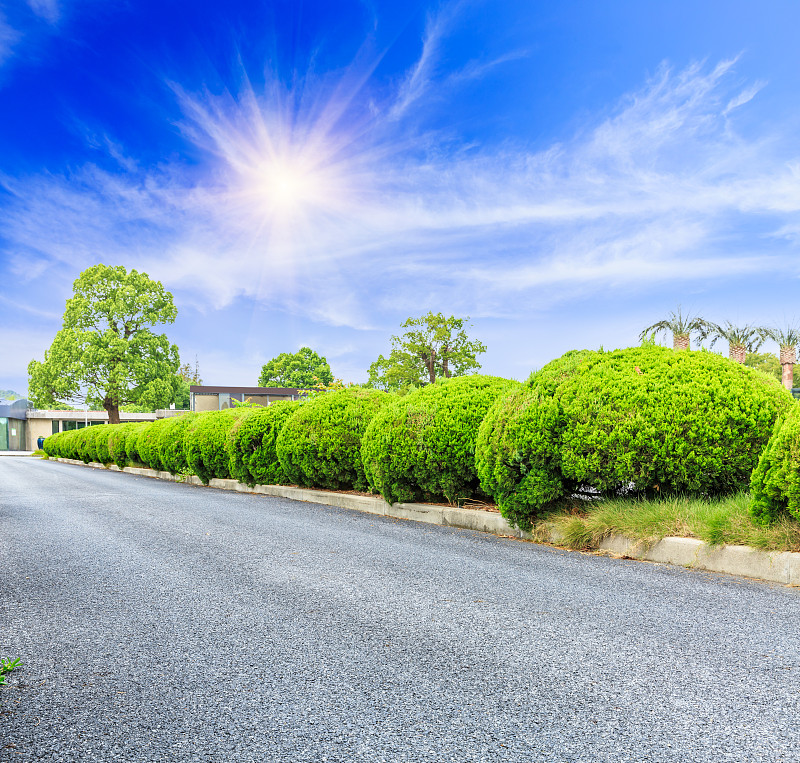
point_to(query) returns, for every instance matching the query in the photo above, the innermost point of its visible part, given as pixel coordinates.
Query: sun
(287, 184)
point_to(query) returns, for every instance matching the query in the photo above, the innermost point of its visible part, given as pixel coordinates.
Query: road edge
(745, 561)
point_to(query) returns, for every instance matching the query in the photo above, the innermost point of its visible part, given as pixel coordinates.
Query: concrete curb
(774, 566)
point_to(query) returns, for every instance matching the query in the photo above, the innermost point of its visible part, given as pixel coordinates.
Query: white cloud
(8, 38)
(47, 9)
(320, 206)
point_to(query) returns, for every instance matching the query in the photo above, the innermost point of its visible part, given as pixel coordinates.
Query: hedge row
(645, 419)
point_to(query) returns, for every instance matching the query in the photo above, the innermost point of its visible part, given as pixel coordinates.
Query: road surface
(166, 622)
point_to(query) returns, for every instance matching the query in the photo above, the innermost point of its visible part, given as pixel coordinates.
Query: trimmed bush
(132, 442)
(422, 446)
(172, 442)
(99, 443)
(69, 445)
(205, 442)
(52, 444)
(86, 447)
(116, 443)
(320, 444)
(252, 445)
(644, 419)
(775, 483)
(149, 445)
(517, 453)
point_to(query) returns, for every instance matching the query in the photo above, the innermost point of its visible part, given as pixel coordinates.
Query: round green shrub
(517, 453)
(172, 442)
(252, 445)
(132, 442)
(149, 445)
(205, 442)
(84, 445)
(646, 419)
(68, 444)
(116, 443)
(99, 443)
(320, 443)
(422, 446)
(52, 444)
(775, 482)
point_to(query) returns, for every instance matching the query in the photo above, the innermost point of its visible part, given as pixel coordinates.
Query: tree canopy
(105, 351)
(300, 370)
(771, 364)
(432, 347)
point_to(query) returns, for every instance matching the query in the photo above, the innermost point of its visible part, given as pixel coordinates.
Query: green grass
(39, 454)
(6, 666)
(718, 521)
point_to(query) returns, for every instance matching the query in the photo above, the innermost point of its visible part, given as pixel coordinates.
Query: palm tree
(787, 339)
(740, 339)
(682, 328)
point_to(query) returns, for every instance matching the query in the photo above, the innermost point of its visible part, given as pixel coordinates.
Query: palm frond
(678, 324)
(747, 336)
(784, 337)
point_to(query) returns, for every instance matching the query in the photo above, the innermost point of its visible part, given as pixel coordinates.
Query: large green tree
(105, 351)
(303, 369)
(432, 347)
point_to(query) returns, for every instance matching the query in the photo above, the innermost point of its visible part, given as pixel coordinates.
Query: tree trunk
(112, 409)
(737, 352)
(680, 341)
(430, 362)
(788, 359)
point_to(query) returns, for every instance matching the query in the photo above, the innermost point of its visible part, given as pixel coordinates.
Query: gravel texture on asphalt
(166, 622)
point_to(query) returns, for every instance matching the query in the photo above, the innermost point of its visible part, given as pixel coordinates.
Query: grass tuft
(717, 521)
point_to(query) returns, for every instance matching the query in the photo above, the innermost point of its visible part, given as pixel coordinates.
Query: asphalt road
(167, 622)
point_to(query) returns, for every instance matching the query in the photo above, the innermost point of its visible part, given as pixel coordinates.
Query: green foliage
(149, 445)
(205, 441)
(9, 394)
(116, 443)
(645, 419)
(300, 370)
(422, 446)
(172, 442)
(680, 326)
(433, 347)
(770, 364)
(775, 483)
(132, 442)
(99, 444)
(252, 445)
(105, 351)
(53, 444)
(320, 444)
(7, 666)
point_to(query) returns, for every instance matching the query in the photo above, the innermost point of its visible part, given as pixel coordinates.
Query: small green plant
(6, 666)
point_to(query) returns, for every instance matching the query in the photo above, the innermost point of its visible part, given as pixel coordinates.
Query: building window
(55, 426)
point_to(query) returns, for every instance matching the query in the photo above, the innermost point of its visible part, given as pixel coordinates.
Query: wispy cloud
(417, 81)
(49, 10)
(8, 38)
(311, 202)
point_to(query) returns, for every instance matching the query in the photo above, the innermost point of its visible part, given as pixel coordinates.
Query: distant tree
(303, 369)
(787, 339)
(433, 347)
(681, 327)
(105, 352)
(187, 376)
(9, 394)
(740, 339)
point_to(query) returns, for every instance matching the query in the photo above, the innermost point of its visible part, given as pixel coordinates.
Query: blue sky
(314, 173)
